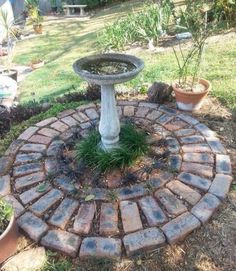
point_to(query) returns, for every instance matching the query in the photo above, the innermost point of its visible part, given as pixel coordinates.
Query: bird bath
(107, 70)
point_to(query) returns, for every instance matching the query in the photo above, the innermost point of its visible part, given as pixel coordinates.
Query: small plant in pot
(37, 63)
(7, 24)
(190, 90)
(35, 19)
(8, 231)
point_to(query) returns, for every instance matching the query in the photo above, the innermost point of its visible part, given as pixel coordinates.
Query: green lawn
(67, 40)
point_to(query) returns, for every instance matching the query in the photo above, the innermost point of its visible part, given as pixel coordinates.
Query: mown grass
(66, 40)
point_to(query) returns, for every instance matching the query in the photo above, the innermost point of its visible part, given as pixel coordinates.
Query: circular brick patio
(163, 209)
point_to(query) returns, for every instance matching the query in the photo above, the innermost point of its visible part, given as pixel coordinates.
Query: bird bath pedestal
(107, 70)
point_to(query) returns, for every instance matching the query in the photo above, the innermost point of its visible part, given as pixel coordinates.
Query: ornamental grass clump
(132, 145)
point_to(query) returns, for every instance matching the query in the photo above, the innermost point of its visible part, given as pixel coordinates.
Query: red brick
(46, 122)
(223, 164)
(80, 117)
(49, 132)
(39, 139)
(220, 185)
(155, 114)
(28, 133)
(196, 148)
(199, 169)
(175, 125)
(130, 216)
(66, 113)
(109, 219)
(59, 126)
(71, 122)
(199, 158)
(92, 113)
(129, 111)
(185, 132)
(142, 112)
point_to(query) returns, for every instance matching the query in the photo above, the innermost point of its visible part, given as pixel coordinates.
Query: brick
(27, 169)
(68, 136)
(175, 162)
(63, 213)
(5, 185)
(33, 148)
(84, 218)
(46, 122)
(152, 211)
(175, 125)
(5, 165)
(52, 166)
(223, 164)
(127, 103)
(18, 208)
(185, 132)
(129, 111)
(46, 202)
(80, 117)
(29, 180)
(199, 169)
(65, 183)
(99, 193)
(39, 139)
(28, 133)
(130, 216)
(184, 192)
(85, 106)
(71, 122)
(168, 110)
(204, 130)
(155, 114)
(48, 132)
(66, 113)
(216, 145)
(142, 112)
(32, 194)
(164, 119)
(173, 144)
(98, 247)
(55, 148)
(109, 219)
(59, 126)
(195, 181)
(178, 228)
(23, 158)
(196, 148)
(85, 125)
(143, 240)
(65, 242)
(206, 207)
(173, 205)
(14, 147)
(133, 191)
(157, 180)
(190, 120)
(220, 185)
(199, 158)
(161, 131)
(33, 226)
(149, 105)
(92, 113)
(193, 139)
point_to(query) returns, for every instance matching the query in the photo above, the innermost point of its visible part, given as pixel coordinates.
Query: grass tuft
(132, 145)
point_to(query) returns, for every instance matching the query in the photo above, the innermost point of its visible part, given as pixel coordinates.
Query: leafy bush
(132, 145)
(225, 10)
(6, 212)
(145, 26)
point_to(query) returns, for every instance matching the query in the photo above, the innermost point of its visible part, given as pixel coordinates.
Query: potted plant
(190, 89)
(36, 63)
(7, 25)
(35, 19)
(8, 231)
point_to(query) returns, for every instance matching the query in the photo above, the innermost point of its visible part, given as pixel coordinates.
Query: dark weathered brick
(100, 248)
(220, 185)
(33, 194)
(14, 147)
(33, 148)
(184, 192)
(143, 240)
(223, 164)
(142, 112)
(28, 180)
(63, 213)
(206, 207)
(92, 113)
(149, 105)
(194, 180)
(198, 158)
(153, 115)
(215, 145)
(109, 219)
(175, 162)
(173, 205)
(5, 165)
(27, 169)
(164, 119)
(177, 229)
(62, 241)
(193, 139)
(55, 148)
(152, 211)
(204, 130)
(65, 183)
(130, 216)
(52, 166)
(84, 218)
(190, 120)
(196, 148)
(46, 202)
(157, 180)
(173, 144)
(133, 191)
(23, 158)
(185, 132)
(33, 226)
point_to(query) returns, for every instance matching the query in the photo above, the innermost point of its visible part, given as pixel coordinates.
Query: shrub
(145, 26)
(132, 145)
(225, 10)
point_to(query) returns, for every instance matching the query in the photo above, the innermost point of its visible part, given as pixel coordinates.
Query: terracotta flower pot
(8, 240)
(38, 29)
(189, 101)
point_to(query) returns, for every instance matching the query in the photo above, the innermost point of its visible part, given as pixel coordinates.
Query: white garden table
(69, 8)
